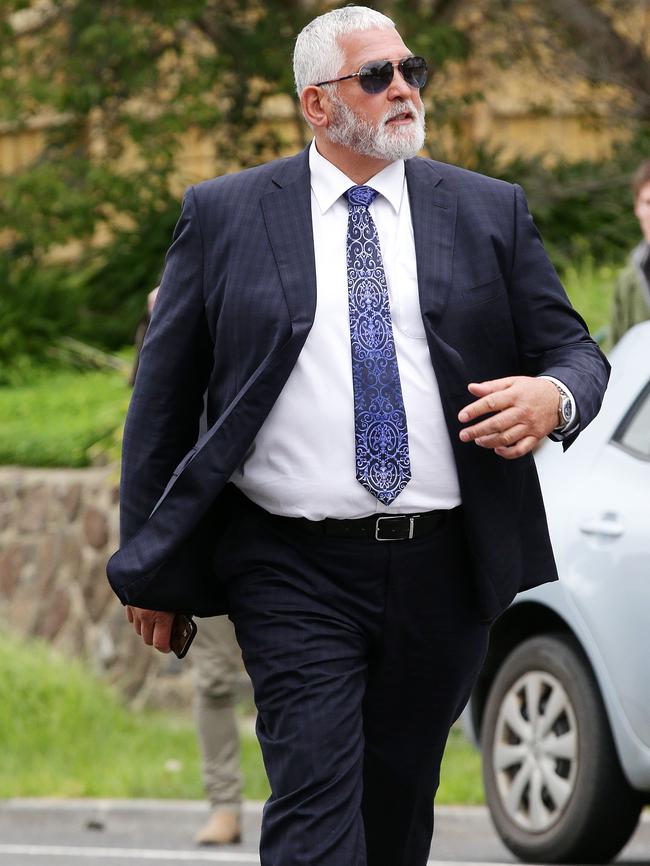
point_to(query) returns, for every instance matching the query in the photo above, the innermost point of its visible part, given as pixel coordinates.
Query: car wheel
(553, 782)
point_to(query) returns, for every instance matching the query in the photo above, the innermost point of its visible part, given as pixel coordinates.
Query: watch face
(566, 410)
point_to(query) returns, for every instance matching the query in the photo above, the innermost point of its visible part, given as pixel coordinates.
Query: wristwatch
(564, 409)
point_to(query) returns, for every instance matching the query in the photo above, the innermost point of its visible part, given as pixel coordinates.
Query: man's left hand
(155, 626)
(525, 411)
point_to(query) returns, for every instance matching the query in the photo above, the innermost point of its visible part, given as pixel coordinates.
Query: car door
(608, 559)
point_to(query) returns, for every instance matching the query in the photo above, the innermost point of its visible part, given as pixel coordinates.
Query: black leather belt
(379, 527)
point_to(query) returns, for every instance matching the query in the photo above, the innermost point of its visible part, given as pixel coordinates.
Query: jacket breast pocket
(482, 292)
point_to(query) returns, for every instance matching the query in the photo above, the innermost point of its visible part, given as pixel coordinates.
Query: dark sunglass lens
(414, 70)
(375, 77)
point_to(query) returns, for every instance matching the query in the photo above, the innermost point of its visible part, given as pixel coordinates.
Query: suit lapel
(287, 215)
(433, 213)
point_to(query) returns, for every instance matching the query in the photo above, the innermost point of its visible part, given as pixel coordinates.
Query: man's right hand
(155, 626)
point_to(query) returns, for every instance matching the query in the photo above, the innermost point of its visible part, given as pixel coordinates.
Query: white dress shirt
(302, 462)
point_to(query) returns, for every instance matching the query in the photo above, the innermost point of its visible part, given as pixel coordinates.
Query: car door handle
(608, 526)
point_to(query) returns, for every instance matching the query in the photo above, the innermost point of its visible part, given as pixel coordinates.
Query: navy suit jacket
(236, 303)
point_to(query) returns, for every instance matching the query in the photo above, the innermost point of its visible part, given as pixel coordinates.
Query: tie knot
(361, 195)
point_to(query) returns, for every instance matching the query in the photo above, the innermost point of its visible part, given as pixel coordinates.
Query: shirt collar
(328, 182)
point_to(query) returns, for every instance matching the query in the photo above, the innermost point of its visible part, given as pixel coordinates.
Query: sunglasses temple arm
(335, 80)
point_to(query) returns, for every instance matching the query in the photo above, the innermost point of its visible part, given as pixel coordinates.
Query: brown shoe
(221, 828)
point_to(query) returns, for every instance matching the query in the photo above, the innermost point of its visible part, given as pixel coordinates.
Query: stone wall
(57, 529)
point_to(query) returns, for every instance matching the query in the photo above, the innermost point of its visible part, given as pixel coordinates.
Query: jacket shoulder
(243, 183)
(465, 180)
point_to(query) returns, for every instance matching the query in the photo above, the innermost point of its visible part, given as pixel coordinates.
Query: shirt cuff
(574, 422)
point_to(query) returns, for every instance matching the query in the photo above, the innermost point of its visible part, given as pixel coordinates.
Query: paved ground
(126, 833)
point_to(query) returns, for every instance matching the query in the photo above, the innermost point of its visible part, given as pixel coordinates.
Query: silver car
(562, 707)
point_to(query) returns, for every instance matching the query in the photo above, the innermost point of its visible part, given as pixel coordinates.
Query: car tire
(553, 782)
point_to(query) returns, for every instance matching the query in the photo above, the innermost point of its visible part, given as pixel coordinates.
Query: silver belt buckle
(411, 520)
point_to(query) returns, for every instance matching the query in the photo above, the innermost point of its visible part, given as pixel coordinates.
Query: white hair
(318, 55)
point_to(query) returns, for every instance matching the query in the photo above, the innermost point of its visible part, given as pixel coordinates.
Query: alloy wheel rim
(535, 751)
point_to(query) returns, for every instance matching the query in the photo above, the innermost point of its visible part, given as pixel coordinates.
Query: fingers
(147, 626)
(481, 388)
(163, 631)
(501, 424)
(504, 438)
(154, 626)
(129, 613)
(513, 414)
(524, 446)
(493, 400)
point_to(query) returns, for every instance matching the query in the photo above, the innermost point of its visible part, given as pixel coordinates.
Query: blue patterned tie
(381, 437)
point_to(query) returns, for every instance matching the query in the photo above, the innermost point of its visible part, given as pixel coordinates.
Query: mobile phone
(183, 633)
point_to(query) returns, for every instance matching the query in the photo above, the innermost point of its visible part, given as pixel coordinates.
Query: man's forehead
(361, 46)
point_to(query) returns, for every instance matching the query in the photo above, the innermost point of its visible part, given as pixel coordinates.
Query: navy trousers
(362, 654)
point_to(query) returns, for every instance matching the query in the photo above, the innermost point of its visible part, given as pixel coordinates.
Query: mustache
(400, 108)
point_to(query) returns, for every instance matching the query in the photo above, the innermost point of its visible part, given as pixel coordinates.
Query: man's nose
(398, 88)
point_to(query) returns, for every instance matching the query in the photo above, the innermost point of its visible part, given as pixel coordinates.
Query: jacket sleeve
(162, 422)
(551, 336)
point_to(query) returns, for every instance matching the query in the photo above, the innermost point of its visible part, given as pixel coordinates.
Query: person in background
(141, 333)
(216, 663)
(631, 303)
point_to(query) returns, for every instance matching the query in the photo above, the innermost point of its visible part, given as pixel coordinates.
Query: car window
(633, 433)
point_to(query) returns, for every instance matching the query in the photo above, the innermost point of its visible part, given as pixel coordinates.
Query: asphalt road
(130, 832)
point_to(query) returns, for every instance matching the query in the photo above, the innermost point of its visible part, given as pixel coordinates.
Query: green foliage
(582, 209)
(587, 208)
(99, 298)
(437, 40)
(129, 72)
(136, 72)
(48, 203)
(57, 418)
(590, 286)
(118, 277)
(36, 306)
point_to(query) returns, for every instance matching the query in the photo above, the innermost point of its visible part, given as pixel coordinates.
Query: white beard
(380, 141)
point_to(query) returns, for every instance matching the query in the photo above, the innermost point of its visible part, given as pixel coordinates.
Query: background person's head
(378, 127)
(641, 191)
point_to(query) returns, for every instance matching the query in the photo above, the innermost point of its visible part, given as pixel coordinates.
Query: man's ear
(313, 101)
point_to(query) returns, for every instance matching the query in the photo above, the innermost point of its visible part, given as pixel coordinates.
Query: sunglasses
(376, 76)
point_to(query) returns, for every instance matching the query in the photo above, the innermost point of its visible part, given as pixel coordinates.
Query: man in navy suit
(383, 342)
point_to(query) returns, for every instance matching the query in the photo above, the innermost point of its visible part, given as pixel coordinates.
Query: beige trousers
(216, 664)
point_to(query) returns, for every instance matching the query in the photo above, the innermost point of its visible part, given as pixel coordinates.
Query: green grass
(61, 414)
(590, 288)
(66, 734)
(460, 774)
